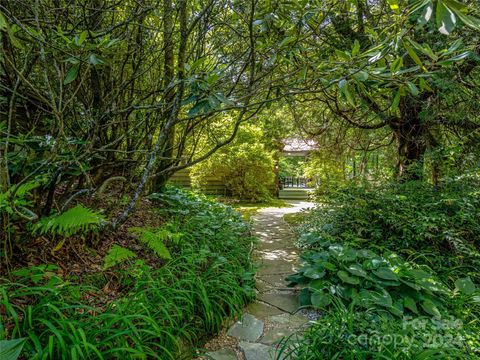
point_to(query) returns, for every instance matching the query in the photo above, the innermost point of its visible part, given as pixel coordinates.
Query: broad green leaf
(410, 304)
(422, 84)
(424, 48)
(426, 14)
(396, 65)
(468, 20)
(361, 76)
(12, 30)
(430, 308)
(71, 74)
(343, 54)
(419, 274)
(213, 101)
(357, 269)
(320, 299)
(200, 106)
(316, 284)
(413, 54)
(382, 298)
(411, 285)
(396, 101)
(305, 297)
(327, 265)
(458, 57)
(222, 98)
(355, 48)
(454, 46)
(348, 255)
(313, 273)
(95, 60)
(297, 279)
(455, 5)
(465, 285)
(385, 273)
(344, 88)
(11, 349)
(412, 88)
(365, 253)
(3, 22)
(345, 292)
(80, 39)
(445, 18)
(346, 278)
(432, 285)
(397, 308)
(287, 41)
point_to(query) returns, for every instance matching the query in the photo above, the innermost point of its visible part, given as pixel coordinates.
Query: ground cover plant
(161, 311)
(394, 270)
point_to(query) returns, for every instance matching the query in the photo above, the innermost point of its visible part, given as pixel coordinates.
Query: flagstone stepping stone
(275, 280)
(248, 328)
(261, 310)
(288, 320)
(270, 267)
(275, 335)
(287, 302)
(255, 351)
(222, 354)
(277, 254)
(263, 286)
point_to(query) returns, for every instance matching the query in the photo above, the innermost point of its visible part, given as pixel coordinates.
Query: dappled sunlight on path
(272, 317)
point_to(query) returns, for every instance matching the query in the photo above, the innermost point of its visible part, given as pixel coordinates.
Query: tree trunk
(411, 136)
(168, 79)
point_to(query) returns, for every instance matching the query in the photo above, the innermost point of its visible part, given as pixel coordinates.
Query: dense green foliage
(363, 277)
(245, 167)
(380, 260)
(406, 218)
(357, 334)
(159, 312)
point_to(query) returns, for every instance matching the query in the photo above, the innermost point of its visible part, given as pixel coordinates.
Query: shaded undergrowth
(161, 312)
(394, 270)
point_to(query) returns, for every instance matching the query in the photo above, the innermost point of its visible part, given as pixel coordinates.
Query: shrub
(412, 219)
(245, 168)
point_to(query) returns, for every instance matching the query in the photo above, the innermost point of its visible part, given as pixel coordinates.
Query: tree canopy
(103, 93)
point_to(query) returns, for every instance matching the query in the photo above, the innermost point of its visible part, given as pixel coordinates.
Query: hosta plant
(369, 280)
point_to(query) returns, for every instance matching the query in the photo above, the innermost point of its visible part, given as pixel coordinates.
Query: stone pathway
(273, 316)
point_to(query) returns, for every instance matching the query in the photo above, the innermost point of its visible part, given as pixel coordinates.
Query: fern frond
(154, 240)
(116, 255)
(70, 222)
